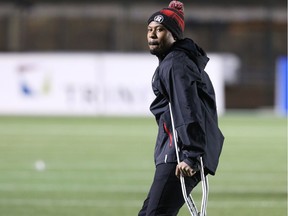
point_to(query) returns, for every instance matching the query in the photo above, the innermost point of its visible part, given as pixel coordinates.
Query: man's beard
(160, 53)
(160, 50)
(154, 52)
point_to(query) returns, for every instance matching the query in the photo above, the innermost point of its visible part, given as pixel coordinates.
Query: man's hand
(184, 170)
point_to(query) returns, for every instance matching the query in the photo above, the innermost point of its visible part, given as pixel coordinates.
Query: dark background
(255, 31)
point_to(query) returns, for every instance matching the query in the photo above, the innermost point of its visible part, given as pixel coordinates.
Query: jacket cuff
(193, 163)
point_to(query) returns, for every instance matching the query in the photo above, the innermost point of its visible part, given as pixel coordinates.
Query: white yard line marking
(133, 203)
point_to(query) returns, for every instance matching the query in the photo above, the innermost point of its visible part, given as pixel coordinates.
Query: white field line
(145, 172)
(132, 203)
(76, 188)
(129, 188)
(48, 131)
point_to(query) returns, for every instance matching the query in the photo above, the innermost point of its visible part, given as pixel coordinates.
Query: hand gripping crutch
(204, 180)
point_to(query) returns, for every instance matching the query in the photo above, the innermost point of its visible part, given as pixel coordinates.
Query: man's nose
(152, 34)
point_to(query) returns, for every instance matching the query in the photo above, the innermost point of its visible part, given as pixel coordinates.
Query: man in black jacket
(180, 80)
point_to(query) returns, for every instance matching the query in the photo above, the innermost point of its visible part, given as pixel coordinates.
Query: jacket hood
(196, 53)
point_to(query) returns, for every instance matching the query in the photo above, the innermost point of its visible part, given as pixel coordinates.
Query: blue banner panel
(282, 85)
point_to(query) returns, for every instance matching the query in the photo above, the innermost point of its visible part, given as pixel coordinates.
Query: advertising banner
(281, 86)
(85, 83)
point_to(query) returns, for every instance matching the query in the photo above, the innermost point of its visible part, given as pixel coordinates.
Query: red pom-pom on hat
(179, 6)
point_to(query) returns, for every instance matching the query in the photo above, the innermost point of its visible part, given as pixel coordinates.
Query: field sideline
(104, 166)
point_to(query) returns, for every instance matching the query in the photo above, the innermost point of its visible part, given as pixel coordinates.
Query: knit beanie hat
(172, 18)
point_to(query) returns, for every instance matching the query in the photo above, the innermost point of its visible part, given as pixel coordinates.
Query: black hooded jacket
(181, 80)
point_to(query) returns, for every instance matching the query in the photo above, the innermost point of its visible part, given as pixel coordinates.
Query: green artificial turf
(104, 166)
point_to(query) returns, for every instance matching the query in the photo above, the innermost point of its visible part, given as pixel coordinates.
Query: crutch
(204, 180)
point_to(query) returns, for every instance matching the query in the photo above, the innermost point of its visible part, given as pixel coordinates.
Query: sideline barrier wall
(86, 83)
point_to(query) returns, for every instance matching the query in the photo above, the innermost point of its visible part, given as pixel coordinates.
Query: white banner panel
(215, 69)
(86, 83)
(128, 83)
(46, 83)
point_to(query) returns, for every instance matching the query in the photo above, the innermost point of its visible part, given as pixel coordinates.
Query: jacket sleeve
(181, 84)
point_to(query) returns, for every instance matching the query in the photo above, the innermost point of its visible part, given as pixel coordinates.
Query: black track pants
(165, 196)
